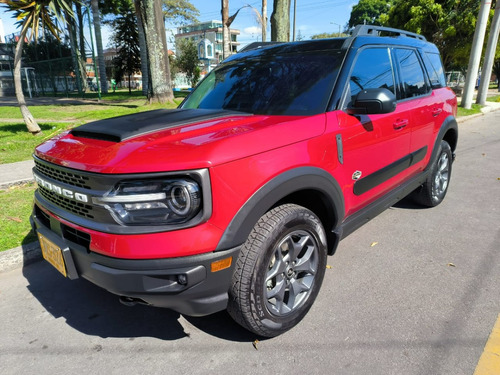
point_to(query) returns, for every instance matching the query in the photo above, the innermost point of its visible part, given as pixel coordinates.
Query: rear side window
(412, 76)
(435, 69)
(372, 69)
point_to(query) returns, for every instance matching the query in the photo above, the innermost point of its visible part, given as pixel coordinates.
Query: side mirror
(373, 102)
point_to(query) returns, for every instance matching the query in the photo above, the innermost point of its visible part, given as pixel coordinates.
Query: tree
(450, 25)
(143, 48)
(369, 12)
(264, 20)
(326, 35)
(126, 41)
(187, 60)
(280, 21)
(160, 88)
(78, 63)
(96, 15)
(180, 11)
(225, 28)
(175, 11)
(30, 15)
(46, 48)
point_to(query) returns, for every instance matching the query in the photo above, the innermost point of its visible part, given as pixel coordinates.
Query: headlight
(154, 202)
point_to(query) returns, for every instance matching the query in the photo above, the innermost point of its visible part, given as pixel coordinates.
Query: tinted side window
(373, 69)
(412, 75)
(434, 67)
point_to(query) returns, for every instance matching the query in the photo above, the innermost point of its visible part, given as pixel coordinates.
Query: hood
(173, 140)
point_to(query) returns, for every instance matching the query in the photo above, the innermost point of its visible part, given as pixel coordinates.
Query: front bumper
(184, 284)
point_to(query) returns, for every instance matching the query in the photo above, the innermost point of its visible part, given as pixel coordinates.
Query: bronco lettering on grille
(61, 191)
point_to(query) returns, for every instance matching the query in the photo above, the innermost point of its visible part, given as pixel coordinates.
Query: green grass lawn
(15, 227)
(476, 108)
(119, 95)
(16, 144)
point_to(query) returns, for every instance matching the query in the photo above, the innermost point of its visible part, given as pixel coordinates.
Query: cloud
(252, 30)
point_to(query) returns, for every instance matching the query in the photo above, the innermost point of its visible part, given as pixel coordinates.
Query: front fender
(292, 181)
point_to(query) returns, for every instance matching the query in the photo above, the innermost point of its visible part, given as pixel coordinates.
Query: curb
(470, 117)
(5, 185)
(486, 109)
(21, 255)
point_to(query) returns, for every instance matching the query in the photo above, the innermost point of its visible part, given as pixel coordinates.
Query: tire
(434, 189)
(274, 287)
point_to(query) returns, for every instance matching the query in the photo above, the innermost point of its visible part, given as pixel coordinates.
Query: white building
(2, 32)
(211, 30)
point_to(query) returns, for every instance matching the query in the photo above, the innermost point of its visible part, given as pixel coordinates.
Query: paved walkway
(16, 173)
(11, 101)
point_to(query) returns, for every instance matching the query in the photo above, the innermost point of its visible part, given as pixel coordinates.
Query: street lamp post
(334, 23)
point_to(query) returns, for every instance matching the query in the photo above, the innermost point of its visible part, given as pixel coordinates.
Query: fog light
(182, 279)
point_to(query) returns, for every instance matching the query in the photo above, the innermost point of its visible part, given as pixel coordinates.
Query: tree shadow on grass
(21, 127)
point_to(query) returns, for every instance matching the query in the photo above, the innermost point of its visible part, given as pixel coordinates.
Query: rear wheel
(433, 191)
(279, 271)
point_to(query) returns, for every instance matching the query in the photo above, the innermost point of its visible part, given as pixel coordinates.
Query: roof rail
(377, 30)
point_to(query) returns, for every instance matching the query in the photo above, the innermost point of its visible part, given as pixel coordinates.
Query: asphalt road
(415, 291)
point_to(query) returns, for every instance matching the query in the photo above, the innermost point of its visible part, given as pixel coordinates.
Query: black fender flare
(450, 123)
(289, 182)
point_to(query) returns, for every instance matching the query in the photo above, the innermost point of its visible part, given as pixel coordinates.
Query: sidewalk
(20, 172)
(16, 173)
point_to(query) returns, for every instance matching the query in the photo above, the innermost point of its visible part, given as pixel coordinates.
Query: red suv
(235, 199)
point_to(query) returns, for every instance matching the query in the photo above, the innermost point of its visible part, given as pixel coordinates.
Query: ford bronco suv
(235, 199)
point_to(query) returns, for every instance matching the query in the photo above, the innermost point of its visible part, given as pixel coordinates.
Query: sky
(313, 17)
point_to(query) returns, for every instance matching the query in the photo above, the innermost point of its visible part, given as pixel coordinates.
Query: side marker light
(222, 264)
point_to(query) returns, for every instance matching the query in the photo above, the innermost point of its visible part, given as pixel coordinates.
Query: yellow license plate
(52, 254)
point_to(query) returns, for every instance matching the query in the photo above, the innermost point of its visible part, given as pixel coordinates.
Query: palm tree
(32, 15)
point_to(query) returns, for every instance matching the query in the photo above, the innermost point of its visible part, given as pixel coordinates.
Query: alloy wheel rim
(291, 273)
(441, 176)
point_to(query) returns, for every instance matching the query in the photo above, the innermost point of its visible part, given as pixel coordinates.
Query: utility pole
(489, 57)
(294, 14)
(475, 56)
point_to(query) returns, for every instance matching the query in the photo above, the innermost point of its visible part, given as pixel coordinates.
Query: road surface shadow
(408, 203)
(94, 311)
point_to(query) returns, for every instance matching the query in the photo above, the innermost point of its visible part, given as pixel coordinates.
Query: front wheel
(434, 189)
(279, 271)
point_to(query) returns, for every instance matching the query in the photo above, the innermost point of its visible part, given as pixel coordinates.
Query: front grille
(76, 236)
(77, 208)
(63, 176)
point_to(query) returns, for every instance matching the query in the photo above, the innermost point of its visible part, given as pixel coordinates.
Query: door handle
(400, 124)
(436, 112)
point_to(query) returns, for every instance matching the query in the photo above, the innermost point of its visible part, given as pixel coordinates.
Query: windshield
(287, 84)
